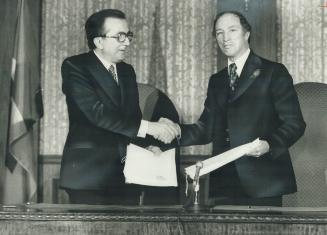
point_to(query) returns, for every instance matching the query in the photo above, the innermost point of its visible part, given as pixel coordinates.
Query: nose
(127, 42)
(226, 37)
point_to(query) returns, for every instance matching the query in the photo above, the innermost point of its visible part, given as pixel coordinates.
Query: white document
(222, 159)
(145, 168)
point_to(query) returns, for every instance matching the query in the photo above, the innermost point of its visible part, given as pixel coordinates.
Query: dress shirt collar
(240, 61)
(105, 63)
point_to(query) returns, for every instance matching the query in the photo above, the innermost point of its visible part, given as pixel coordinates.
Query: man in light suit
(251, 98)
(104, 114)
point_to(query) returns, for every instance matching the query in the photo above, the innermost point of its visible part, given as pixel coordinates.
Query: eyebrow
(232, 26)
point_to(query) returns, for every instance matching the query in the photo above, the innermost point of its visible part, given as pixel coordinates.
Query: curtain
(173, 50)
(302, 39)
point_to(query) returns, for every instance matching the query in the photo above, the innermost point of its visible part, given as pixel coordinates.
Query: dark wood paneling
(262, 16)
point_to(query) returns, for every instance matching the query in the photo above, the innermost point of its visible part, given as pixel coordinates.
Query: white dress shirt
(240, 61)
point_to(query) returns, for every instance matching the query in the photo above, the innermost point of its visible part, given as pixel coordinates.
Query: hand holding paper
(154, 149)
(222, 159)
(258, 150)
(142, 167)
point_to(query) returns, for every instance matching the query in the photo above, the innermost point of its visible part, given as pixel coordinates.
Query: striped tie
(113, 73)
(232, 75)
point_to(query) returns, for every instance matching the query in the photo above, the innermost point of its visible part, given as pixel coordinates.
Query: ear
(98, 42)
(247, 35)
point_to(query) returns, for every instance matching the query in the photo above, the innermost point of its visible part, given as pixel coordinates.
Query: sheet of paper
(222, 159)
(145, 168)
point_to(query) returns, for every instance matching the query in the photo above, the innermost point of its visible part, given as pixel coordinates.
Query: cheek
(112, 47)
(219, 40)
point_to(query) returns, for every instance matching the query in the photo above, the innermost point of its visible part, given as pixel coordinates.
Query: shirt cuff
(143, 129)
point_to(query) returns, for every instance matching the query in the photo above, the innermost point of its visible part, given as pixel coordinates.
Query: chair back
(309, 154)
(155, 104)
(148, 98)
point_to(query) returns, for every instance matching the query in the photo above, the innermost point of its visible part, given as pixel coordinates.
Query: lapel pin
(255, 74)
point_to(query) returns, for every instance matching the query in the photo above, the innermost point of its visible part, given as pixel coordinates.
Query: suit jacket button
(227, 139)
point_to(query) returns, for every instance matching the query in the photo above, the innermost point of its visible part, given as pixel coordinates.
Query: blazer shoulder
(217, 77)
(272, 64)
(278, 71)
(75, 63)
(77, 59)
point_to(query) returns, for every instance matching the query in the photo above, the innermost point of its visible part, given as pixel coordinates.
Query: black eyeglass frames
(121, 37)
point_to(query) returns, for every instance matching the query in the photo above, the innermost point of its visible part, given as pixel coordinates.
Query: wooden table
(63, 219)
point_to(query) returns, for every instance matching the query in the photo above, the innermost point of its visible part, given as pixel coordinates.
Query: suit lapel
(248, 75)
(103, 78)
(223, 88)
(122, 81)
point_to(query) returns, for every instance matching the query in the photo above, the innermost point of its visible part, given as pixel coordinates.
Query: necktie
(232, 75)
(113, 73)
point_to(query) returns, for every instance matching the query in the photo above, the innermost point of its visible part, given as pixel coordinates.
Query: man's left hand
(154, 149)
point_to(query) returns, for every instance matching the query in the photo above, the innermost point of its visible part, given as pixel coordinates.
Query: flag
(26, 110)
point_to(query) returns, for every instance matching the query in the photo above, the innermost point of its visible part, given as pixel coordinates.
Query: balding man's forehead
(228, 20)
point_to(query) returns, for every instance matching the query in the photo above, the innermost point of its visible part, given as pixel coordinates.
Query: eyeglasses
(121, 37)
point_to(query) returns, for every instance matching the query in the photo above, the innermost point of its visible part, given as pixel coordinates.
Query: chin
(119, 59)
(228, 53)
(231, 55)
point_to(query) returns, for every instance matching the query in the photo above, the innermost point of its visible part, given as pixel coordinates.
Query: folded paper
(146, 168)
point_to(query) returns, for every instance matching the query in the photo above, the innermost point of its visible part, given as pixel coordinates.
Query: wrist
(151, 128)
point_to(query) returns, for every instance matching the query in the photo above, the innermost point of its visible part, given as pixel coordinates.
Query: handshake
(164, 130)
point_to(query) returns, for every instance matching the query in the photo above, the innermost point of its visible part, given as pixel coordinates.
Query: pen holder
(193, 202)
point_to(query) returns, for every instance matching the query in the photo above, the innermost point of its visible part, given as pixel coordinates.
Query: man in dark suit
(104, 114)
(250, 98)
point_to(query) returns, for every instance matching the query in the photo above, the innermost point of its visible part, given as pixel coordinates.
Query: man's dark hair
(94, 24)
(245, 24)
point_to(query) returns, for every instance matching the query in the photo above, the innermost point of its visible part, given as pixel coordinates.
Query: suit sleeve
(81, 93)
(201, 132)
(287, 106)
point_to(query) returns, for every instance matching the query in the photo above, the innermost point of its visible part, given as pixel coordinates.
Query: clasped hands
(164, 130)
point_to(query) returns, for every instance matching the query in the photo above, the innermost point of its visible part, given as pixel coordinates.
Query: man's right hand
(164, 130)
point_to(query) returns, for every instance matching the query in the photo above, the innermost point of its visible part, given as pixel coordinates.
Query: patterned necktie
(113, 73)
(232, 75)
